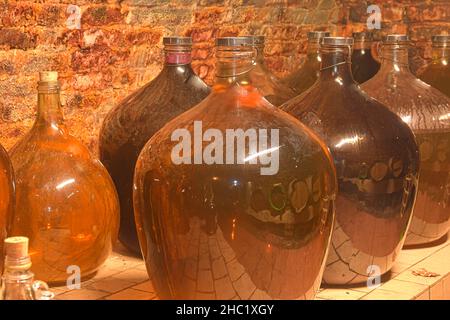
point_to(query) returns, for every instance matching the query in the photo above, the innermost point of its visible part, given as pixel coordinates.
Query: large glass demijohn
(129, 125)
(66, 203)
(6, 199)
(427, 112)
(234, 198)
(377, 164)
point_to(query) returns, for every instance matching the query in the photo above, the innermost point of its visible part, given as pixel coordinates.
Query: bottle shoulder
(420, 105)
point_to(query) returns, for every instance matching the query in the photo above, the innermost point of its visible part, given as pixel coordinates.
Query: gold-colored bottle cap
(48, 76)
(16, 247)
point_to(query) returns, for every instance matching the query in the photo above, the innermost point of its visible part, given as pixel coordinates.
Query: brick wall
(106, 49)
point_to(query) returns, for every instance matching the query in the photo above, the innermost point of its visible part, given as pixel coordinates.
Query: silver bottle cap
(234, 41)
(316, 35)
(396, 38)
(337, 41)
(178, 41)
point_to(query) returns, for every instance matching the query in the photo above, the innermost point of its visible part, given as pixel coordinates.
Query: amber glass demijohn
(437, 73)
(377, 164)
(234, 198)
(133, 122)
(427, 112)
(270, 86)
(303, 78)
(66, 203)
(364, 65)
(6, 199)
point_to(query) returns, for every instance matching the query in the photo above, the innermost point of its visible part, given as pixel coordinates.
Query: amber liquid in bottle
(133, 122)
(66, 203)
(7, 196)
(302, 79)
(426, 111)
(377, 162)
(270, 86)
(364, 66)
(214, 226)
(437, 73)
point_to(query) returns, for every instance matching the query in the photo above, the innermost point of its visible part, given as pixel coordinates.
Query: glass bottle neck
(362, 45)
(394, 58)
(233, 65)
(176, 55)
(336, 65)
(313, 51)
(260, 54)
(441, 51)
(49, 108)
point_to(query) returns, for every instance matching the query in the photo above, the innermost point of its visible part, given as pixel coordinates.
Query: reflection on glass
(129, 125)
(66, 202)
(224, 230)
(424, 109)
(376, 159)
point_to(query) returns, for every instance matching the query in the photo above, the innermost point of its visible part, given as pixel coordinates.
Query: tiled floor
(420, 274)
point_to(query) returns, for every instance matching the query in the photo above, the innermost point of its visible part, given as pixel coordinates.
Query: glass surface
(364, 66)
(376, 159)
(232, 224)
(308, 73)
(437, 73)
(427, 112)
(270, 86)
(66, 203)
(6, 199)
(133, 122)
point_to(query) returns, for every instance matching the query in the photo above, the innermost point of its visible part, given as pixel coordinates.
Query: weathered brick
(16, 39)
(99, 16)
(118, 46)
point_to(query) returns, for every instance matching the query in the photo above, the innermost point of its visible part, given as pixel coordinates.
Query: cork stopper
(48, 76)
(16, 247)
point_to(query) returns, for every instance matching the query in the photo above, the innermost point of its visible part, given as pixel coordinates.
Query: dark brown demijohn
(130, 124)
(267, 83)
(427, 112)
(303, 78)
(6, 199)
(376, 160)
(234, 198)
(364, 65)
(437, 73)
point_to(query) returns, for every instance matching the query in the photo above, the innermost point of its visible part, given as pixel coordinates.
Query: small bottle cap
(440, 38)
(396, 38)
(316, 35)
(337, 41)
(363, 35)
(180, 41)
(234, 41)
(48, 76)
(16, 247)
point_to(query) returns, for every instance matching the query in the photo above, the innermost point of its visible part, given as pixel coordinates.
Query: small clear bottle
(302, 79)
(18, 281)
